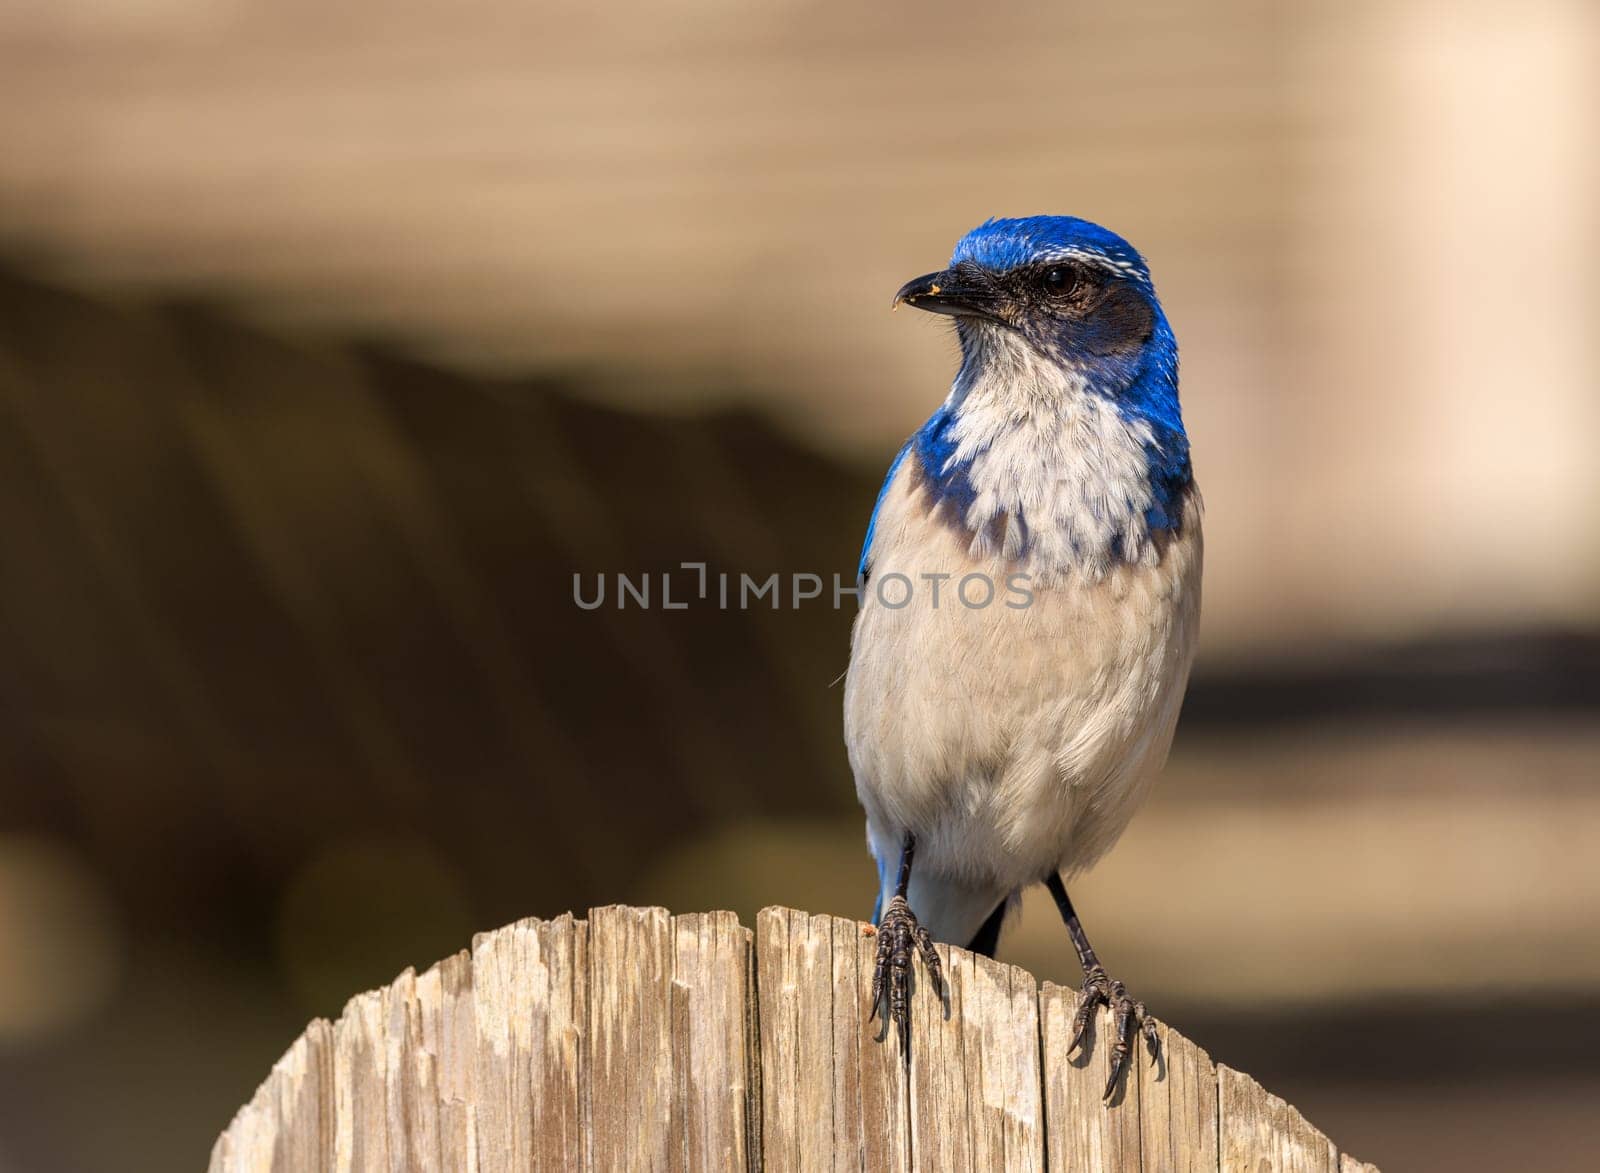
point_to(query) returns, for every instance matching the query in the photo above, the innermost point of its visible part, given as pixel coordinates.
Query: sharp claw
(900, 940)
(1080, 1025)
(1128, 1018)
(930, 958)
(1111, 1080)
(1096, 990)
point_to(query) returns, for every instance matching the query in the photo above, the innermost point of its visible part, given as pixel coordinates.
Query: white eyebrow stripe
(1123, 268)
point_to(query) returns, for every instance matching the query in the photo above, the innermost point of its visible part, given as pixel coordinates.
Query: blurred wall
(1374, 224)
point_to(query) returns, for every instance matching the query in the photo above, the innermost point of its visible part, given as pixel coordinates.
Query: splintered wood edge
(420, 1071)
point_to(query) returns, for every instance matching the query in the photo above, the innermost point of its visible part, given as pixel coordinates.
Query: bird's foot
(1127, 1016)
(899, 935)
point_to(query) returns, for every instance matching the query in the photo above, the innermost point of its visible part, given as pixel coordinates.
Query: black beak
(952, 292)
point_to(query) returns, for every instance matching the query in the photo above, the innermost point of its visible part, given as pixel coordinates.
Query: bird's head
(1074, 293)
(1059, 327)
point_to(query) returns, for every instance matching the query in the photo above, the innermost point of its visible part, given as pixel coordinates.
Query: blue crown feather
(1005, 244)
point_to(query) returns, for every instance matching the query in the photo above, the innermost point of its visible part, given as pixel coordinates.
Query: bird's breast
(1020, 718)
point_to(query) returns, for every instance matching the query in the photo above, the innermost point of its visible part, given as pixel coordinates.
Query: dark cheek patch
(1120, 324)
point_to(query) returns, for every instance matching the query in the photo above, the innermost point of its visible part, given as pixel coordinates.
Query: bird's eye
(1057, 279)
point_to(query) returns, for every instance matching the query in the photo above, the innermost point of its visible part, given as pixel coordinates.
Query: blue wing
(872, 522)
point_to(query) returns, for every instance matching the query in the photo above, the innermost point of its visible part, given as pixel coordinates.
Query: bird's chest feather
(1027, 727)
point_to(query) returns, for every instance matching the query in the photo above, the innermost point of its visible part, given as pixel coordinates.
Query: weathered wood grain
(411, 1105)
(1349, 1164)
(360, 1092)
(1260, 1132)
(833, 1096)
(530, 994)
(872, 1123)
(1178, 1107)
(450, 1036)
(287, 1125)
(712, 1053)
(1083, 1133)
(976, 1097)
(630, 1038)
(639, 1040)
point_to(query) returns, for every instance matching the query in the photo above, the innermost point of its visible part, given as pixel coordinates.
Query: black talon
(1127, 1016)
(899, 935)
(1099, 990)
(1122, 1029)
(1096, 992)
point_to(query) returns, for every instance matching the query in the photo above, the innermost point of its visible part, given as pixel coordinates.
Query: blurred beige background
(335, 340)
(1373, 223)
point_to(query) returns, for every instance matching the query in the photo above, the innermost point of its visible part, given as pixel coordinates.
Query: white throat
(1060, 477)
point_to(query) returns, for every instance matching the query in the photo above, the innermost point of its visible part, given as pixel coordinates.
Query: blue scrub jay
(1030, 602)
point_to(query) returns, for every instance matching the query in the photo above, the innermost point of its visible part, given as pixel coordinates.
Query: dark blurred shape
(259, 596)
(1553, 675)
(366, 902)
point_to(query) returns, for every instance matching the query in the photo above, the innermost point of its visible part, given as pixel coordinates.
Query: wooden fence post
(640, 1040)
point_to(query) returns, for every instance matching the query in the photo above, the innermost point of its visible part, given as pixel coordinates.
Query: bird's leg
(899, 935)
(1100, 990)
